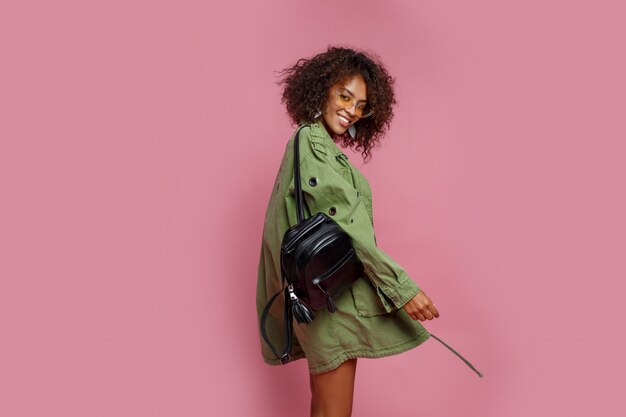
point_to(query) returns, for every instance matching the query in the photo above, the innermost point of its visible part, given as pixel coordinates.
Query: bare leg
(333, 391)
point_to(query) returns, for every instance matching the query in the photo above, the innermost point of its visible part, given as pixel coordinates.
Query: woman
(339, 96)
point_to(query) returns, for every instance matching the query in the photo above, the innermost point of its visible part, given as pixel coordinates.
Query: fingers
(428, 309)
(421, 308)
(423, 312)
(433, 310)
(418, 316)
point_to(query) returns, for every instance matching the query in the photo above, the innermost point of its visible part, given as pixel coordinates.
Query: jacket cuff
(396, 296)
(401, 294)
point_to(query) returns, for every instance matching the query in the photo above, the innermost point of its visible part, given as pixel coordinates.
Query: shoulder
(313, 141)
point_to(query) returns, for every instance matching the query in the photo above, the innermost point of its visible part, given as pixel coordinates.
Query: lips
(343, 121)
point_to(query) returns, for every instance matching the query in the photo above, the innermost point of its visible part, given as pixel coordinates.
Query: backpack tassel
(330, 305)
(300, 311)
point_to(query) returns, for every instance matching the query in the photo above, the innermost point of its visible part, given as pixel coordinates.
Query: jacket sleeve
(325, 190)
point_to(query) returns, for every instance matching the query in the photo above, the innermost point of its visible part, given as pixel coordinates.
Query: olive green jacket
(331, 184)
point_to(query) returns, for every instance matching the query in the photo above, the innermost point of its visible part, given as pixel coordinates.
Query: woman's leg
(333, 391)
(312, 395)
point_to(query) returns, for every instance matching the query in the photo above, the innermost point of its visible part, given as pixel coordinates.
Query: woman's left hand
(421, 307)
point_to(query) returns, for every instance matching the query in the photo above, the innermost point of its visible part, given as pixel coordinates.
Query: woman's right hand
(421, 307)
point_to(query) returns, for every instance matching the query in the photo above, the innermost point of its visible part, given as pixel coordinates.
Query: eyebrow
(352, 94)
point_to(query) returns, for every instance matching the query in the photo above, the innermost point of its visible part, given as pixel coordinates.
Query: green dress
(370, 321)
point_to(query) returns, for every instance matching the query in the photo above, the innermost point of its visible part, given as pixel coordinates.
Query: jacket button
(358, 194)
(312, 181)
(332, 211)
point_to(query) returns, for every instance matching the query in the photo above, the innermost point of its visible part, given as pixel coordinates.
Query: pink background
(139, 142)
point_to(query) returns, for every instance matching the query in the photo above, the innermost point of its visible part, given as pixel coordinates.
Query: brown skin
(332, 392)
(421, 307)
(331, 114)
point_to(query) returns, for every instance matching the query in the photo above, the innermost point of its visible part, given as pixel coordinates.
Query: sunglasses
(346, 101)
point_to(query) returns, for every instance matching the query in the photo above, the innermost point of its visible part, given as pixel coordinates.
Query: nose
(352, 110)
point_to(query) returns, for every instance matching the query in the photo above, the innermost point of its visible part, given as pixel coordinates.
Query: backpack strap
(288, 316)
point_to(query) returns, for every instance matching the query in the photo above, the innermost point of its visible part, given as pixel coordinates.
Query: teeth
(344, 119)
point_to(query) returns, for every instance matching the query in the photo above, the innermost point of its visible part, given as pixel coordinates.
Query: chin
(339, 130)
(335, 129)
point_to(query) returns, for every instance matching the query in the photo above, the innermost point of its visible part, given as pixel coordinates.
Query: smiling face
(336, 119)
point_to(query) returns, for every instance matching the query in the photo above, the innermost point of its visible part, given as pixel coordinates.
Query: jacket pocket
(368, 300)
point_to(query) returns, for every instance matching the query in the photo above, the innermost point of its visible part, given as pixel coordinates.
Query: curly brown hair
(306, 86)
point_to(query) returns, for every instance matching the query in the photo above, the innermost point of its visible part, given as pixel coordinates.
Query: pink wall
(139, 142)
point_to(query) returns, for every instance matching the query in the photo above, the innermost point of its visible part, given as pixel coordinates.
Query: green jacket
(370, 321)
